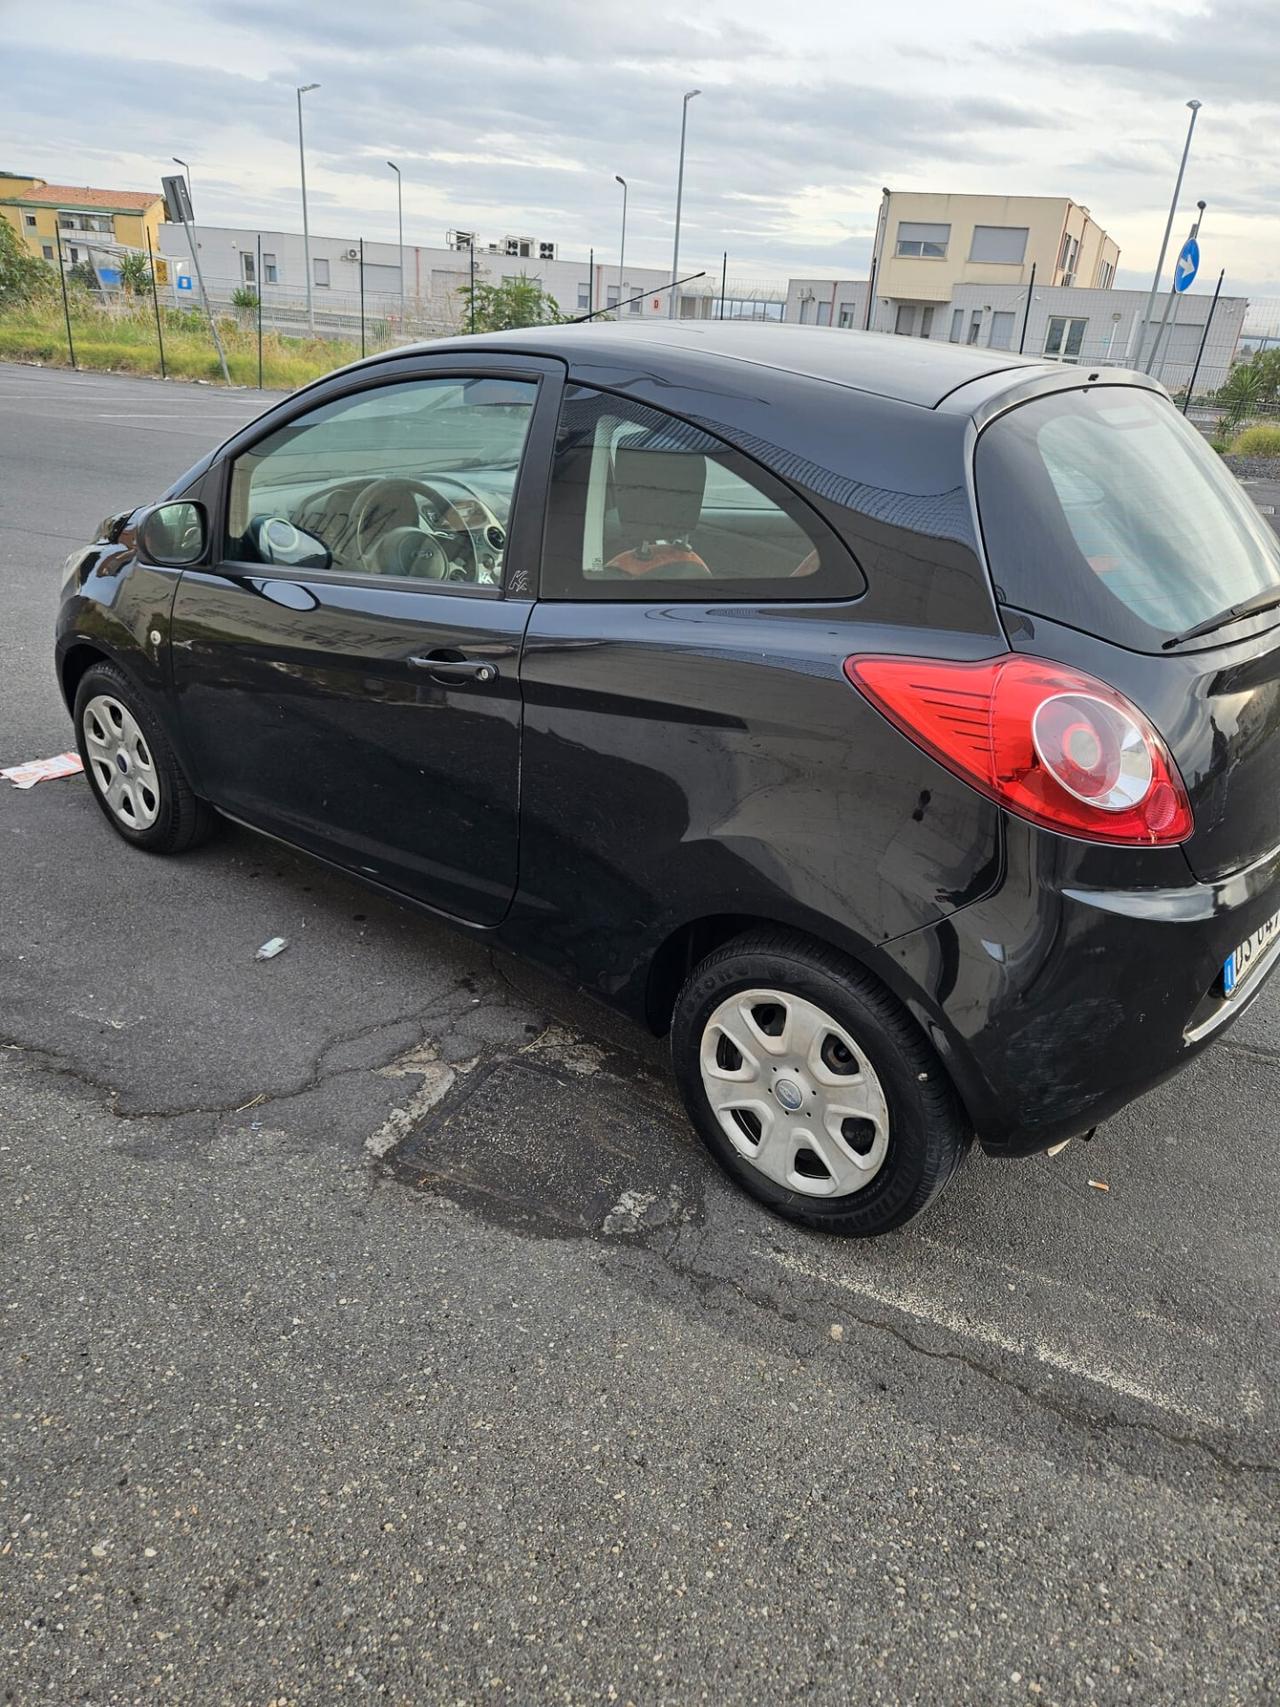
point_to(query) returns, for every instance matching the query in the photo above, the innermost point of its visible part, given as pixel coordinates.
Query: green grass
(1260, 440)
(127, 344)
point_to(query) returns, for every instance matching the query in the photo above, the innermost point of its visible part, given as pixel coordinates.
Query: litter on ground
(273, 946)
(43, 770)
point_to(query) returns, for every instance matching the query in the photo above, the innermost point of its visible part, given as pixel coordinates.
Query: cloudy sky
(513, 116)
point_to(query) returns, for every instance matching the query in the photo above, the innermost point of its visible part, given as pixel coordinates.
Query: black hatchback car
(897, 725)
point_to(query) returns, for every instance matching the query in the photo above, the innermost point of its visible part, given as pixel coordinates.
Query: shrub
(244, 296)
(1221, 445)
(1262, 439)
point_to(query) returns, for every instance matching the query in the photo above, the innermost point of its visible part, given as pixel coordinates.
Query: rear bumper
(1086, 977)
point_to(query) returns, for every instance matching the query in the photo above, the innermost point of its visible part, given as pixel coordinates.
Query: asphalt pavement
(374, 1328)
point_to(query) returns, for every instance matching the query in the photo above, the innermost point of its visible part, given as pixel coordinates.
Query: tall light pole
(1173, 209)
(675, 253)
(186, 171)
(305, 89)
(622, 245)
(400, 222)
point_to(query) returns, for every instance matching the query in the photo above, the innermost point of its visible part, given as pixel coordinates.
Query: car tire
(834, 1112)
(133, 773)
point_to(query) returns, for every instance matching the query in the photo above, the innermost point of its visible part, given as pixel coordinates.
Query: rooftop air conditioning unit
(546, 251)
(461, 239)
(517, 245)
(351, 254)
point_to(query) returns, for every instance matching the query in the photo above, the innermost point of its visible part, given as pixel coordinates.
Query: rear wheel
(131, 767)
(812, 1087)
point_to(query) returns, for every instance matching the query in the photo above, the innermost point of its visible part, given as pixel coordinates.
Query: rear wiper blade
(1267, 599)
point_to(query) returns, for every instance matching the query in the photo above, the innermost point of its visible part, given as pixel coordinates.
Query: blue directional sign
(1187, 265)
(186, 282)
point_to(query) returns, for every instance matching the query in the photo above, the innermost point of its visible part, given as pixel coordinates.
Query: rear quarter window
(1102, 508)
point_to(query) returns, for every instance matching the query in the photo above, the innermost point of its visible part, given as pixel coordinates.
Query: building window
(636, 305)
(74, 254)
(975, 326)
(247, 268)
(1064, 338)
(926, 240)
(612, 295)
(322, 270)
(999, 245)
(30, 219)
(584, 298)
(66, 222)
(270, 273)
(46, 249)
(957, 325)
(1105, 275)
(1067, 258)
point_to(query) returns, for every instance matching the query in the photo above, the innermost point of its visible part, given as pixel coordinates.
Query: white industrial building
(272, 263)
(1063, 322)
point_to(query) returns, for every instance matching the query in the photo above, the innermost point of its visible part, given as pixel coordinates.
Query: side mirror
(173, 535)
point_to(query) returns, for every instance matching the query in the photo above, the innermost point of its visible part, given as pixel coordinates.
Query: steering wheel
(376, 523)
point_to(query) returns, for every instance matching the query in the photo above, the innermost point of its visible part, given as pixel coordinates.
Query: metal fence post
(1213, 306)
(155, 303)
(66, 307)
(362, 293)
(1026, 313)
(724, 277)
(260, 283)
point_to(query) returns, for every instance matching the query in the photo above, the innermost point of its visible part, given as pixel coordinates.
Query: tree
(23, 278)
(135, 274)
(515, 302)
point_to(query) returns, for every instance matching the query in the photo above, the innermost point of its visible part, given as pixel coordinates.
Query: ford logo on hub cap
(788, 1094)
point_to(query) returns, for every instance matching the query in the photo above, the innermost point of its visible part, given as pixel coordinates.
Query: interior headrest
(659, 492)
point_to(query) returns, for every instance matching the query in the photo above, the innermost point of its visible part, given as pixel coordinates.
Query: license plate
(1249, 956)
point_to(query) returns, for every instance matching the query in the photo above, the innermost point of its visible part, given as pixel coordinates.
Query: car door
(346, 672)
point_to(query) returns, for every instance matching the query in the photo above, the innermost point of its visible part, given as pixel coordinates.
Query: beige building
(927, 245)
(84, 218)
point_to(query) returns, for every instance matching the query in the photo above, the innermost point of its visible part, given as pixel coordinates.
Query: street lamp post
(400, 223)
(1173, 209)
(305, 89)
(675, 253)
(186, 170)
(622, 245)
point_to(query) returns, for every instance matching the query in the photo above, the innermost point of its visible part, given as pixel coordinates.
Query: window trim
(528, 497)
(659, 593)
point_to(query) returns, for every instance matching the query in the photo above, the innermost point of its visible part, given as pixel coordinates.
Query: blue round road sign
(1187, 265)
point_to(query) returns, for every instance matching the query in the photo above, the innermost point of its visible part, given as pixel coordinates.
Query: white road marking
(940, 1315)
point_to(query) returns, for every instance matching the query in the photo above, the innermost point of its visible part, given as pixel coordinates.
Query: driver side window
(413, 480)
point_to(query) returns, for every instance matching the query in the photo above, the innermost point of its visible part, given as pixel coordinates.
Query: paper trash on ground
(43, 770)
(275, 945)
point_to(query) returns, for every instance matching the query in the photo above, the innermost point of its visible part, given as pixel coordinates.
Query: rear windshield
(1104, 509)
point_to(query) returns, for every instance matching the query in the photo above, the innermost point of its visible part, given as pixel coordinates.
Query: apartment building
(927, 245)
(83, 218)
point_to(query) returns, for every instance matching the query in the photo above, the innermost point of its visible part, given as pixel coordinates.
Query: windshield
(1104, 509)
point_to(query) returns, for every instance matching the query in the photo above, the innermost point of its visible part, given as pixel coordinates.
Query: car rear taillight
(1049, 743)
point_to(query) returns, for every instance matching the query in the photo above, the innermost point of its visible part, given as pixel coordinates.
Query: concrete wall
(827, 302)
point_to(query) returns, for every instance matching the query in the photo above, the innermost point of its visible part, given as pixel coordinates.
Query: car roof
(909, 370)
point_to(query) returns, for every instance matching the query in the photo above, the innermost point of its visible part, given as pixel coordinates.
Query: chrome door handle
(452, 667)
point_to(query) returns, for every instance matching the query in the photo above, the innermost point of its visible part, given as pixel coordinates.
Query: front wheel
(812, 1088)
(132, 769)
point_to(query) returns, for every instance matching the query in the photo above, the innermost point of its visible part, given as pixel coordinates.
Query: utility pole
(400, 222)
(305, 89)
(675, 253)
(1173, 209)
(622, 245)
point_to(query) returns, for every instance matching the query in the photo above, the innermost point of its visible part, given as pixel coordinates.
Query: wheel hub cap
(795, 1093)
(120, 762)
